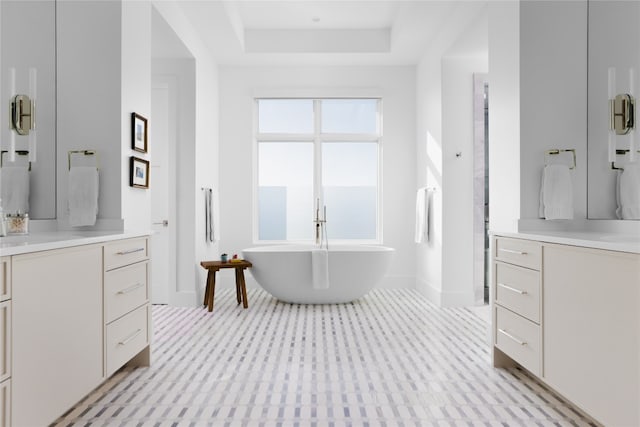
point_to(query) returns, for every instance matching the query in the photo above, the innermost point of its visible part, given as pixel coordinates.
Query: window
(309, 149)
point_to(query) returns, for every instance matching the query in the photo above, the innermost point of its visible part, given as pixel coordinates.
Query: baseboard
(432, 294)
(458, 299)
(397, 282)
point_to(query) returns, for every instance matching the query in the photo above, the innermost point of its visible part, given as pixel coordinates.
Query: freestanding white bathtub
(285, 271)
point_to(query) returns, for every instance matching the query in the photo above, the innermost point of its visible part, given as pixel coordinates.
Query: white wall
(504, 115)
(198, 158)
(136, 97)
(429, 173)
(444, 268)
(458, 174)
(104, 74)
(238, 86)
(553, 88)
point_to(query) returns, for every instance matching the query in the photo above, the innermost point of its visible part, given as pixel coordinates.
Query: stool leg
(243, 285)
(238, 296)
(206, 289)
(212, 290)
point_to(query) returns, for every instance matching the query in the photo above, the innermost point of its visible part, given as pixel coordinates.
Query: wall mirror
(28, 40)
(614, 41)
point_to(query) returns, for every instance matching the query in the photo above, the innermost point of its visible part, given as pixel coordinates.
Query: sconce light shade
(22, 114)
(622, 113)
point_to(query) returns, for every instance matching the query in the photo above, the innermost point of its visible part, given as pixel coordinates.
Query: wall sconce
(22, 114)
(622, 113)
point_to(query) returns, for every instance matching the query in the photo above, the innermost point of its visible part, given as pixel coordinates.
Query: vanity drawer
(125, 289)
(519, 338)
(5, 340)
(525, 253)
(5, 278)
(518, 289)
(126, 337)
(125, 252)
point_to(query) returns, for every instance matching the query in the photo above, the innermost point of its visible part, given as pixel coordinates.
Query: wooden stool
(241, 288)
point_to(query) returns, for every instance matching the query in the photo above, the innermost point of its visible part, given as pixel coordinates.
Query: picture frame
(139, 173)
(139, 131)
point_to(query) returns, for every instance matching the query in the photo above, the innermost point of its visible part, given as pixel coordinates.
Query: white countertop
(589, 239)
(44, 241)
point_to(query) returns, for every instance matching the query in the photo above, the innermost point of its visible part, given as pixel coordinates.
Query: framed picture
(139, 173)
(138, 133)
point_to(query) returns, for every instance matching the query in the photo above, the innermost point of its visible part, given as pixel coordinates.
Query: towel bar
(619, 153)
(83, 152)
(557, 151)
(19, 153)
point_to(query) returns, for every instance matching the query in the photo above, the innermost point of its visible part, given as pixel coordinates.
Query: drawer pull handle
(512, 337)
(130, 289)
(518, 291)
(511, 251)
(130, 251)
(130, 337)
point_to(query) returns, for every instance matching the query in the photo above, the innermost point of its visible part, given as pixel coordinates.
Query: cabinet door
(591, 301)
(5, 278)
(5, 403)
(5, 340)
(57, 332)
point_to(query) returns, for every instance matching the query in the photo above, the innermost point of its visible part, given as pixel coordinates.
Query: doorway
(481, 277)
(163, 189)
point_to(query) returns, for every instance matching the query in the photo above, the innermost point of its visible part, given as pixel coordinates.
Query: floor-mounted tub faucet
(320, 224)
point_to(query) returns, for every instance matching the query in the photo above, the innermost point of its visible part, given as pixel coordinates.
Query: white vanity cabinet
(71, 314)
(516, 292)
(126, 302)
(57, 324)
(592, 330)
(5, 341)
(572, 318)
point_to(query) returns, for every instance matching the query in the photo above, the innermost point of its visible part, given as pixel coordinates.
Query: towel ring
(19, 153)
(619, 153)
(85, 153)
(557, 151)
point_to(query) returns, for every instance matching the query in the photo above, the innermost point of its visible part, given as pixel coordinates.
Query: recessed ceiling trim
(318, 41)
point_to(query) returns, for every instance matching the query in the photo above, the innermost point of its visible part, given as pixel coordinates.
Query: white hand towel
(214, 218)
(422, 216)
(618, 202)
(15, 189)
(629, 191)
(557, 192)
(320, 268)
(83, 195)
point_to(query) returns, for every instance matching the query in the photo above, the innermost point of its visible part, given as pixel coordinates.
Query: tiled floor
(389, 359)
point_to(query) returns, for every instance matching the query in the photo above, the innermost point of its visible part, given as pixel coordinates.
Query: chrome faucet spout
(320, 224)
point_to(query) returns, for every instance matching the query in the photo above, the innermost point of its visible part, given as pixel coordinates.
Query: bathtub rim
(297, 247)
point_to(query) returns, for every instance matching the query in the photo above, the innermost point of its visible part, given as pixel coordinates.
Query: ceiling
(313, 32)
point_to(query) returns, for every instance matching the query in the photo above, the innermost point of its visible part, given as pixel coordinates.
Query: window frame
(318, 138)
